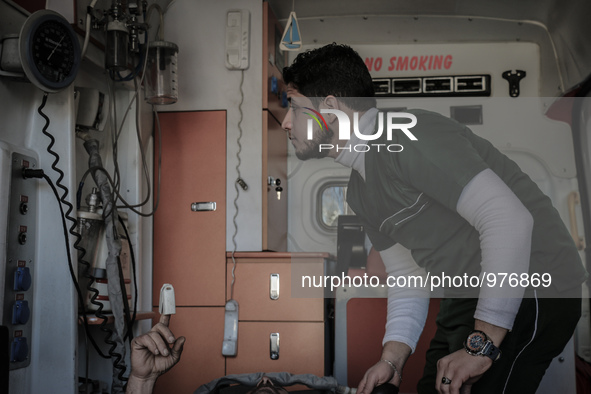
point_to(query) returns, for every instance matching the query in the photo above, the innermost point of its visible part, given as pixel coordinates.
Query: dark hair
(333, 69)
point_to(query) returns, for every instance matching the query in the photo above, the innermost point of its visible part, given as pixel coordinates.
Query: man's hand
(462, 369)
(152, 354)
(395, 352)
(380, 373)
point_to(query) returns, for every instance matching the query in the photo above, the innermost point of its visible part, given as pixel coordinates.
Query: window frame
(319, 207)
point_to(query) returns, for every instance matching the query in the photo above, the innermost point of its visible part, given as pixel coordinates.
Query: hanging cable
(152, 7)
(134, 276)
(89, 11)
(115, 139)
(236, 184)
(113, 266)
(66, 215)
(116, 179)
(116, 185)
(113, 114)
(159, 135)
(118, 358)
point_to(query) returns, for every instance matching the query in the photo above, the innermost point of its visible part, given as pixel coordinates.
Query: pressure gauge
(49, 51)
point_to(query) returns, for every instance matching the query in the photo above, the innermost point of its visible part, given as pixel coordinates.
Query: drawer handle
(274, 286)
(274, 349)
(203, 206)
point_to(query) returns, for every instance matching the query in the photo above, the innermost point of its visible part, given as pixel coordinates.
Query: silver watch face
(475, 342)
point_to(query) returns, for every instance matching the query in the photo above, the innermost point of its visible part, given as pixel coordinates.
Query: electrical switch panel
(20, 260)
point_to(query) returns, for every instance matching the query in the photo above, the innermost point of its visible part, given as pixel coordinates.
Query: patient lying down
(157, 351)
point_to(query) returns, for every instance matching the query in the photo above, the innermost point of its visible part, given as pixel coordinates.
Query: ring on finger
(445, 380)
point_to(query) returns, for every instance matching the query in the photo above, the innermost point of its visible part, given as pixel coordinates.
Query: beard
(311, 150)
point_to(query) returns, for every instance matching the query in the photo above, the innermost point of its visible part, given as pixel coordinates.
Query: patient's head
(266, 386)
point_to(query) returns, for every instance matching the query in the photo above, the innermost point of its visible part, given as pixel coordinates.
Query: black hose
(81, 250)
(134, 280)
(63, 200)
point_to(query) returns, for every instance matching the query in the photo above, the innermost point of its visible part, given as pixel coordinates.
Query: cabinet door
(202, 360)
(189, 247)
(274, 168)
(301, 348)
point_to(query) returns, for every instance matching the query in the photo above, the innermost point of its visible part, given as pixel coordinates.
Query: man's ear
(330, 102)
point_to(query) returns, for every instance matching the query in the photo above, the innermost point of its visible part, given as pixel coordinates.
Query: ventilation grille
(464, 85)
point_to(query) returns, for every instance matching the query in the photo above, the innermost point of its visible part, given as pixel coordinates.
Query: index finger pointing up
(164, 319)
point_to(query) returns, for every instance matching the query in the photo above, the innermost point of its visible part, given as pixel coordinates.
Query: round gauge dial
(49, 51)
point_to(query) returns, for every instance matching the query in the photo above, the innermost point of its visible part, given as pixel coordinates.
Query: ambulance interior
(204, 192)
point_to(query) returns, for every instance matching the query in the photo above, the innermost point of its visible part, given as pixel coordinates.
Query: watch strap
(491, 351)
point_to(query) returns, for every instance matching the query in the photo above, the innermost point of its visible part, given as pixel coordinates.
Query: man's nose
(286, 124)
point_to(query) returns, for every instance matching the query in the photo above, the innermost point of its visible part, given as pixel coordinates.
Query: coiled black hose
(67, 215)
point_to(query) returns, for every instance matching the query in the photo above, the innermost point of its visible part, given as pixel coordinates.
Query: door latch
(275, 182)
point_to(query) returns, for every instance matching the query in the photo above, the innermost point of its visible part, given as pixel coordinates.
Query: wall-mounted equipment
(99, 265)
(237, 39)
(48, 52)
(116, 52)
(91, 229)
(230, 344)
(18, 300)
(161, 73)
(514, 78)
(129, 47)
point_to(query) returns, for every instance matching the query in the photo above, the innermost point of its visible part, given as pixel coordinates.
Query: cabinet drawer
(252, 290)
(301, 348)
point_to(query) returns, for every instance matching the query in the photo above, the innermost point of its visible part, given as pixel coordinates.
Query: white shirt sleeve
(505, 226)
(407, 306)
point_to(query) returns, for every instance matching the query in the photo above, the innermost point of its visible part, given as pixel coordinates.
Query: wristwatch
(478, 344)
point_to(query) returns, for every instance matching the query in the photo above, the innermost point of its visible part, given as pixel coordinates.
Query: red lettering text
(437, 62)
(392, 62)
(378, 64)
(447, 62)
(405, 63)
(423, 63)
(402, 63)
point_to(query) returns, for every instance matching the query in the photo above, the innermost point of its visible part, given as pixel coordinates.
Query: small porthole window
(332, 203)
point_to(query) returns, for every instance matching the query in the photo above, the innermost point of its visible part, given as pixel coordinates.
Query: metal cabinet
(277, 330)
